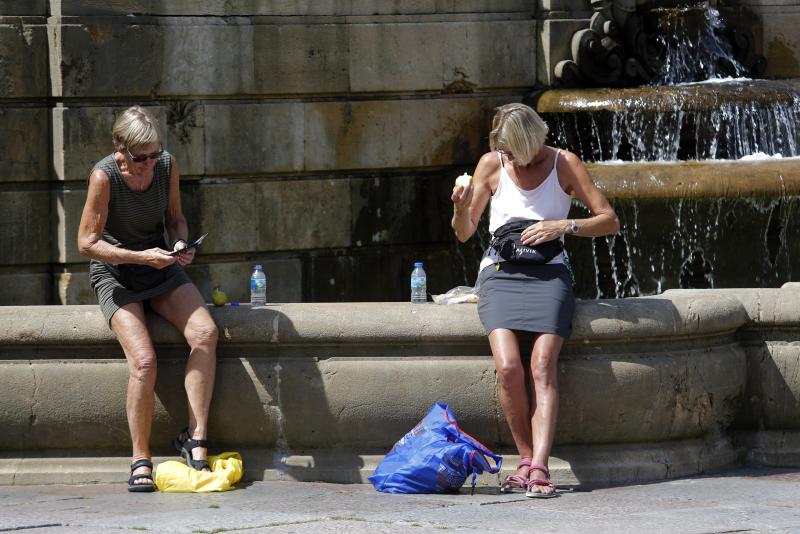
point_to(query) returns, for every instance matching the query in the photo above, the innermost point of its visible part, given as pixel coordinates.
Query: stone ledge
(570, 466)
(668, 316)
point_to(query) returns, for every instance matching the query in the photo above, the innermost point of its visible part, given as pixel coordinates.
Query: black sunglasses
(144, 157)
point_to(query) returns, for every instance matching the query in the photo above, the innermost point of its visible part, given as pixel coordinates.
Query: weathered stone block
(202, 56)
(184, 135)
(292, 58)
(327, 403)
(25, 227)
(82, 137)
(73, 287)
(24, 144)
(782, 44)
(581, 7)
(24, 7)
(25, 289)
(187, 56)
(68, 206)
(774, 386)
(450, 56)
(85, 134)
(23, 58)
(47, 404)
(254, 138)
(210, 56)
(287, 7)
(407, 133)
(693, 391)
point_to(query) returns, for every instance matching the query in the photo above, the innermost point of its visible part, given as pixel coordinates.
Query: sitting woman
(528, 181)
(133, 197)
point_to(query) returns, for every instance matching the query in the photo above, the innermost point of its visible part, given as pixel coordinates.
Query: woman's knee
(544, 366)
(143, 366)
(202, 334)
(508, 372)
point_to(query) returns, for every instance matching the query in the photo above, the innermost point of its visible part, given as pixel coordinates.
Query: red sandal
(513, 482)
(540, 483)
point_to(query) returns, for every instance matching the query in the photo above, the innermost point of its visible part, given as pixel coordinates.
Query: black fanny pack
(507, 242)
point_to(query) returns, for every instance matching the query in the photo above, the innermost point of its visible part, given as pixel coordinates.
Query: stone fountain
(699, 158)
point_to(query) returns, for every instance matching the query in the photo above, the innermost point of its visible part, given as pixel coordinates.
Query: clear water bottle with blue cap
(258, 287)
(419, 284)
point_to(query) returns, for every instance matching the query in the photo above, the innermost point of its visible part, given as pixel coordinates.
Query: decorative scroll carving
(624, 46)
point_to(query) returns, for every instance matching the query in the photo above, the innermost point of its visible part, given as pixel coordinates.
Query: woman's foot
(539, 484)
(141, 479)
(194, 451)
(519, 480)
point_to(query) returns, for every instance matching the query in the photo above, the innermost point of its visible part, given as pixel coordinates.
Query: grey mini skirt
(113, 295)
(527, 298)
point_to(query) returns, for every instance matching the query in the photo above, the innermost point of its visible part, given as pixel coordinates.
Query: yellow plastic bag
(176, 477)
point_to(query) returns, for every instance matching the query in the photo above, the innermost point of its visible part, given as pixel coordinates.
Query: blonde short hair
(134, 128)
(519, 130)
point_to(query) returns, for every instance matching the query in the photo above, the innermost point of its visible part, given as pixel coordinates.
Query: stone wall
(317, 138)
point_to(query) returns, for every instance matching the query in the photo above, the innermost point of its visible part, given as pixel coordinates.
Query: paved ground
(746, 500)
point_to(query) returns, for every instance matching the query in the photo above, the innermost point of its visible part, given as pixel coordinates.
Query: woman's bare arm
(93, 220)
(469, 203)
(175, 221)
(574, 176)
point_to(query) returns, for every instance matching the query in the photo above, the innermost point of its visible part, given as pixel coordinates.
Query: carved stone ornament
(624, 45)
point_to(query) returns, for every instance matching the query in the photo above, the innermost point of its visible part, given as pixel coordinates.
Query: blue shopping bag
(436, 456)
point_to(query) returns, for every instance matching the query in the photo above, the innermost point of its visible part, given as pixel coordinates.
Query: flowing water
(693, 47)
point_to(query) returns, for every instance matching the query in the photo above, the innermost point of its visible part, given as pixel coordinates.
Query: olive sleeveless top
(136, 222)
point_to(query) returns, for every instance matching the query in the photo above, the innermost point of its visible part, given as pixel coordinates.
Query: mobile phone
(196, 243)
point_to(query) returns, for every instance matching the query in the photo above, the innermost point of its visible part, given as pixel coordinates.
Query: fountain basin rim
(698, 179)
(701, 96)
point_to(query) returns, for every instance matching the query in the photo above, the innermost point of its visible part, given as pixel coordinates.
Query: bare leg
(513, 394)
(129, 325)
(544, 404)
(184, 308)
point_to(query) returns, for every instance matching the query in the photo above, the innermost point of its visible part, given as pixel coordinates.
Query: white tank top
(547, 202)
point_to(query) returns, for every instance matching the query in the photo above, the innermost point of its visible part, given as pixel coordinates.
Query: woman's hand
(184, 258)
(158, 258)
(544, 231)
(461, 197)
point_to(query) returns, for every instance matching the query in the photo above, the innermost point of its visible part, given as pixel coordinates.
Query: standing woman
(527, 180)
(133, 198)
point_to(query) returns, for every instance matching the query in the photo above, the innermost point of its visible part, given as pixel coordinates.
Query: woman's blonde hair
(519, 130)
(134, 128)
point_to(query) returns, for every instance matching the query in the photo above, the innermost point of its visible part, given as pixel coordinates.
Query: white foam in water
(728, 79)
(760, 156)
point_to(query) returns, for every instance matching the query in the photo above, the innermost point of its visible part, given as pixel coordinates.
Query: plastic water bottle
(258, 287)
(419, 284)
